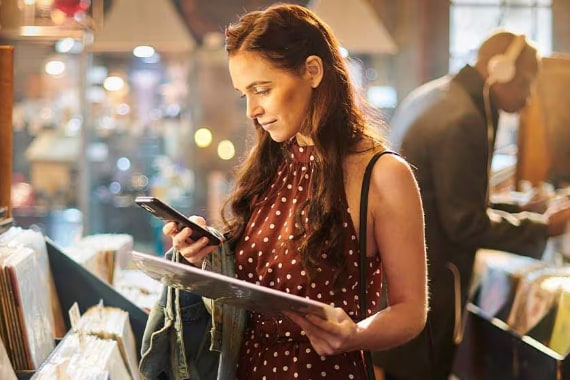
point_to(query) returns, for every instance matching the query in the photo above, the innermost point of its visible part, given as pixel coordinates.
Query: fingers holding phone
(170, 229)
(194, 251)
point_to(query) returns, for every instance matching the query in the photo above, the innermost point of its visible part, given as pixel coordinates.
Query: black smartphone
(169, 214)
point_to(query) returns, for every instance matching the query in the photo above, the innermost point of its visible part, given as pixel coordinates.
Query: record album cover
(227, 289)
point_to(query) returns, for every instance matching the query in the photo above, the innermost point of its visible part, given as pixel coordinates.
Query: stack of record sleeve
(80, 356)
(102, 254)
(26, 324)
(495, 280)
(112, 323)
(541, 308)
(100, 344)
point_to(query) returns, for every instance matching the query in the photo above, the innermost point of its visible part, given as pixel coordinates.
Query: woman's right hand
(193, 251)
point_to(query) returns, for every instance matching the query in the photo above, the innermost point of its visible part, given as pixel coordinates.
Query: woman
(293, 215)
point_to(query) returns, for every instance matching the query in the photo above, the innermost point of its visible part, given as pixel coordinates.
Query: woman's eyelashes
(260, 91)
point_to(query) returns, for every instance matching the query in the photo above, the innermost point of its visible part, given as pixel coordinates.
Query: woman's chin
(277, 137)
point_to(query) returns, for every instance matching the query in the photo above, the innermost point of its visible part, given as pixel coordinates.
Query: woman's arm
(398, 234)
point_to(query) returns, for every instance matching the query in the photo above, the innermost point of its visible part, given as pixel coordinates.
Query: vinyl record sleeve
(31, 305)
(228, 290)
(10, 317)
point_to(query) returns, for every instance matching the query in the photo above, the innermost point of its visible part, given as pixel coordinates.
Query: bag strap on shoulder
(362, 245)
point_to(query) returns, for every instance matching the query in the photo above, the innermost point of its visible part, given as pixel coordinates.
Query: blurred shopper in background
(446, 129)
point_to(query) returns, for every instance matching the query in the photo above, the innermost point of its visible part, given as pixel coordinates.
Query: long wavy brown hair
(337, 121)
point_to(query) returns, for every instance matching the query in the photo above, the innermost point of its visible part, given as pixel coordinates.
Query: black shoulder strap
(363, 224)
(362, 245)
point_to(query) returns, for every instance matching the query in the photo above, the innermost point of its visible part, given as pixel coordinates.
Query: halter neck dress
(275, 347)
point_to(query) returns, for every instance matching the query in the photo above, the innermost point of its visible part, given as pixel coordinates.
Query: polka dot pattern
(274, 347)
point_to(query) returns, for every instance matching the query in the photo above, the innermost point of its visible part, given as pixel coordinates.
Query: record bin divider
(74, 283)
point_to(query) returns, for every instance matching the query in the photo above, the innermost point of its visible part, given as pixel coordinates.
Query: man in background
(446, 129)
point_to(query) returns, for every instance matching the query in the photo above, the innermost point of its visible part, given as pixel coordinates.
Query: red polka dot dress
(274, 347)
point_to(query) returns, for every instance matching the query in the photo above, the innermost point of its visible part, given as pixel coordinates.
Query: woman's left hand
(328, 337)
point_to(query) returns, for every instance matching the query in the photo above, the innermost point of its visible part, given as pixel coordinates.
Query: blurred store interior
(118, 98)
(102, 101)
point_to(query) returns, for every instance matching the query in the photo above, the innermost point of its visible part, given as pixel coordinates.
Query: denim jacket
(184, 339)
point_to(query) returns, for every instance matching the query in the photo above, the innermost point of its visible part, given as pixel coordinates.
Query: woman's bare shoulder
(392, 178)
(390, 163)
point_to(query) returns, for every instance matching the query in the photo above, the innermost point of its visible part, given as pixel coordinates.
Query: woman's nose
(254, 110)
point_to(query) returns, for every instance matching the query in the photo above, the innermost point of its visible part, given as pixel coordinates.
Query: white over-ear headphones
(501, 67)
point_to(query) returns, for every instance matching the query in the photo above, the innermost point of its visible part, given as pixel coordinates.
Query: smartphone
(169, 214)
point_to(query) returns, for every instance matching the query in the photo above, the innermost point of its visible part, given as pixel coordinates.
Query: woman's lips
(267, 125)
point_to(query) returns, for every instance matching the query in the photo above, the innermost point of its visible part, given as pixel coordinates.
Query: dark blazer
(441, 129)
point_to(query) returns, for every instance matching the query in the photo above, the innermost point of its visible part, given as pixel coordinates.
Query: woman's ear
(314, 70)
